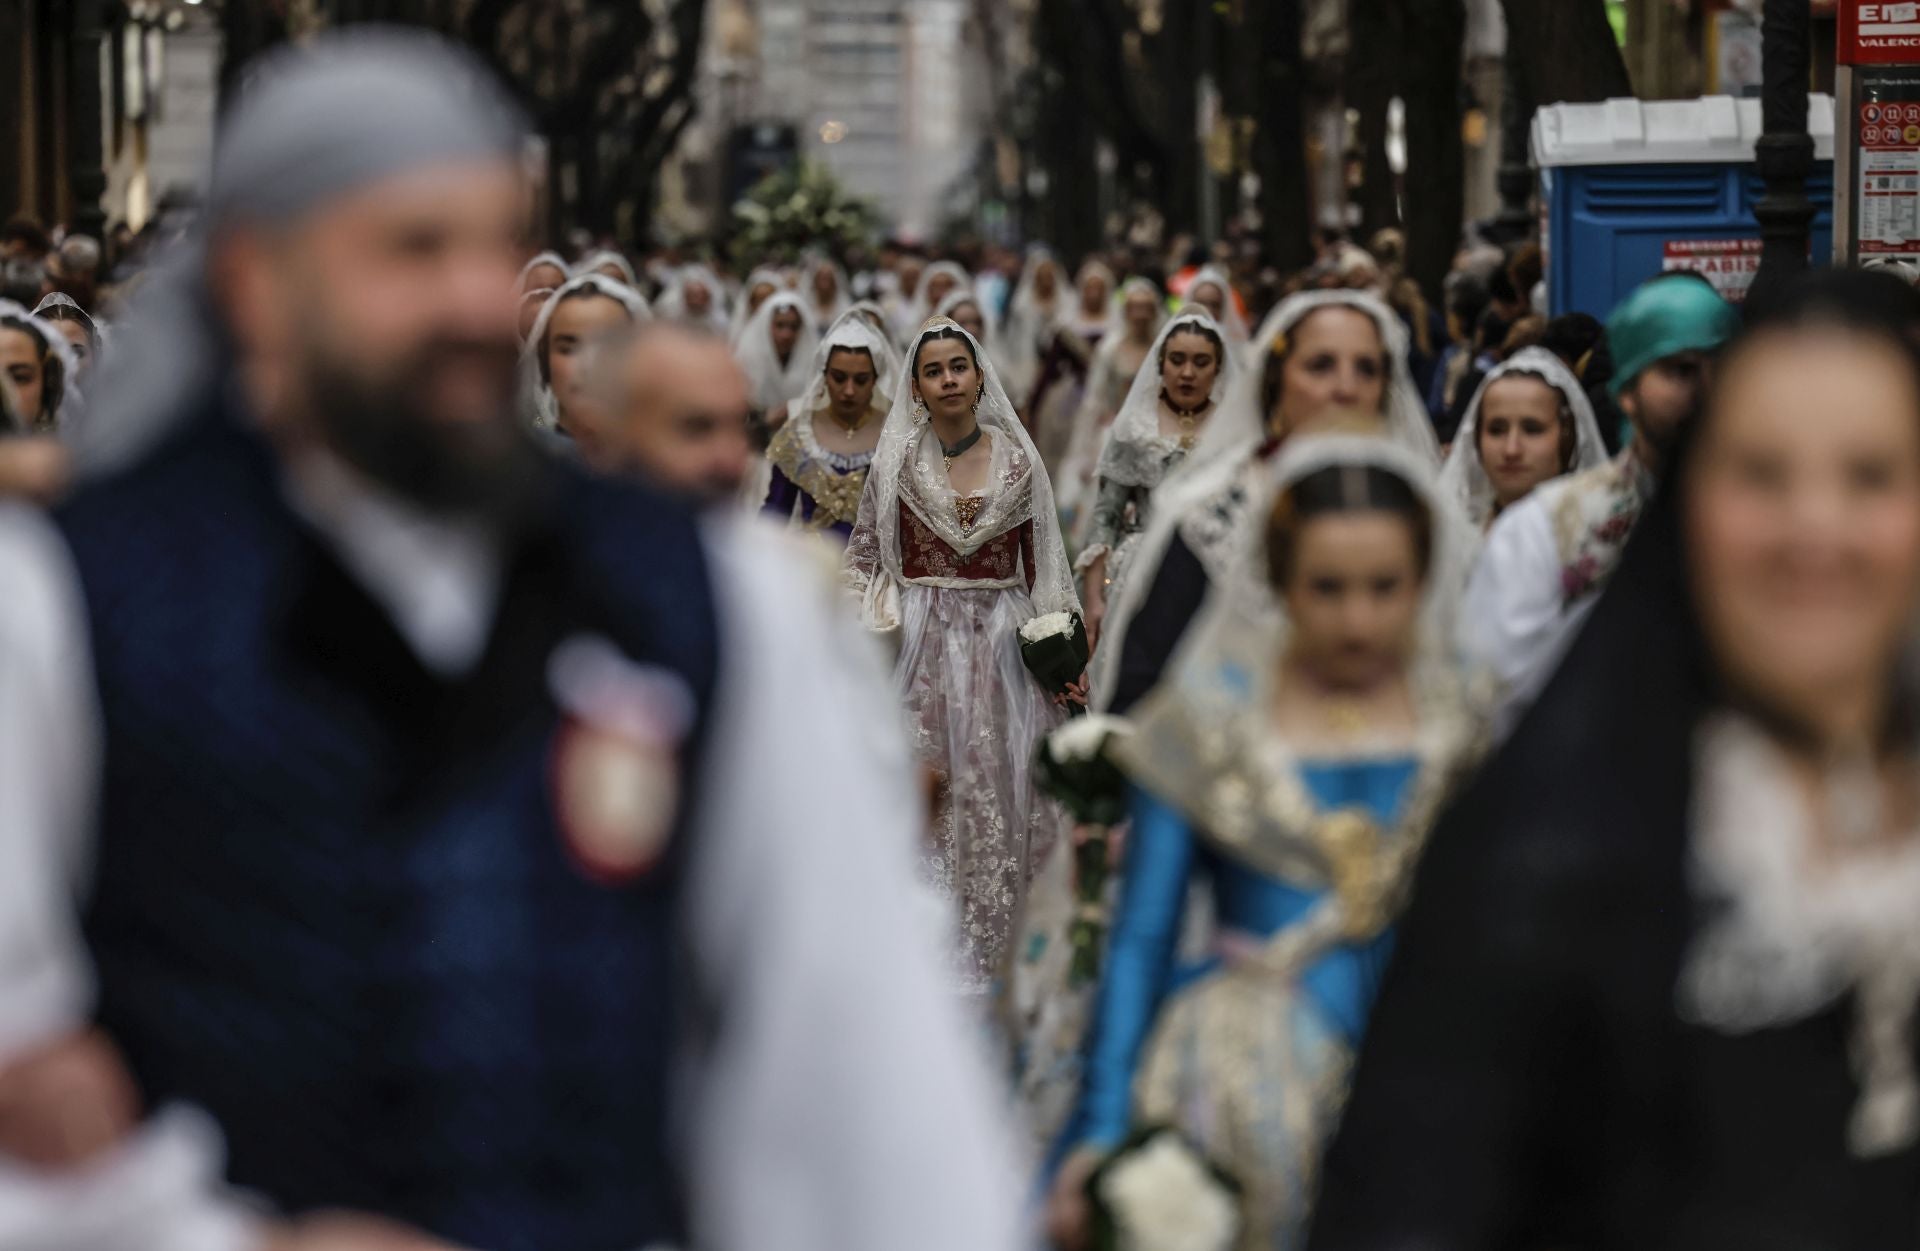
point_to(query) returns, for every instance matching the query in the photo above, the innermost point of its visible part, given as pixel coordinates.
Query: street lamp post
(1784, 152)
(1514, 180)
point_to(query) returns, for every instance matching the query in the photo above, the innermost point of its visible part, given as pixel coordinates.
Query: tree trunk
(1436, 161)
(1270, 86)
(1375, 62)
(1179, 199)
(1572, 42)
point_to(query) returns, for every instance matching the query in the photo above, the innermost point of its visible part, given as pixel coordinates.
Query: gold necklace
(1186, 417)
(1347, 716)
(950, 454)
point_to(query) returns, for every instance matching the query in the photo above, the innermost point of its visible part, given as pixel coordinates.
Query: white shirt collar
(438, 577)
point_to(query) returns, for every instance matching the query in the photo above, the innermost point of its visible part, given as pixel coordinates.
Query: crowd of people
(976, 751)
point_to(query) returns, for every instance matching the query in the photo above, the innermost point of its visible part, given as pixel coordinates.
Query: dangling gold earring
(919, 407)
(976, 403)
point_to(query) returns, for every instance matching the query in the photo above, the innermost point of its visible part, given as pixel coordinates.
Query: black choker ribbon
(962, 447)
(1184, 414)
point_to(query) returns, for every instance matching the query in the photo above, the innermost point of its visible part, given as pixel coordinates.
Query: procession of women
(1307, 641)
(1356, 784)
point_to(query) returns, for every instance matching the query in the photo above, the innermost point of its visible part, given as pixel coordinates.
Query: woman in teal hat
(1547, 558)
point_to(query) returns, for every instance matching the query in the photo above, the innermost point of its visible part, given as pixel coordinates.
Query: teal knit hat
(1662, 318)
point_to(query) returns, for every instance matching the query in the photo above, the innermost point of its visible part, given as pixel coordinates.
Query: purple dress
(813, 488)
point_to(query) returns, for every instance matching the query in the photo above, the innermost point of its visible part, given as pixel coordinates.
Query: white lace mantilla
(1803, 927)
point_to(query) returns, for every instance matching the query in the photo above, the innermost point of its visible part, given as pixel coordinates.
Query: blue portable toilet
(1630, 188)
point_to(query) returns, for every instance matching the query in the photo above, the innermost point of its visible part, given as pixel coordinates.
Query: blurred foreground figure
(420, 863)
(1656, 985)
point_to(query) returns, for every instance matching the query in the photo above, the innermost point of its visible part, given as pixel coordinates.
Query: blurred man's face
(698, 299)
(384, 327)
(1668, 396)
(686, 418)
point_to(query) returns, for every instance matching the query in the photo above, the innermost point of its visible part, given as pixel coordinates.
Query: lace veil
(850, 331)
(1464, 478)
(769, 276)
(842, 290)
(1136, 452)
(672, 304)
(923, 312)
(60, 350)
(908, 468)
(1232, 438)
(1229, 659)
(1231, 319)
(554, 259)
(536, 395)
(775, 384)
(592, 263)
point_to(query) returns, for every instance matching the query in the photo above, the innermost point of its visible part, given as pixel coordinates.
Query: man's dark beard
(382, 428)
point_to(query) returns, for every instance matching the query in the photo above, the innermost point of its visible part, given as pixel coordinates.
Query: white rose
(1054, 623)
(1082, 738)
(1163, 1198)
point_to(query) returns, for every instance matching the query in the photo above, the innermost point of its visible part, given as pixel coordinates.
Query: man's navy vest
(332, 905)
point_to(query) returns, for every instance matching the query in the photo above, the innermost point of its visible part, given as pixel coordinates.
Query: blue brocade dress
(1248, 1051)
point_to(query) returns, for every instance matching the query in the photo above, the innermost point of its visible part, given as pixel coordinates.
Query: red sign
(1879, 32)
(1729, 264)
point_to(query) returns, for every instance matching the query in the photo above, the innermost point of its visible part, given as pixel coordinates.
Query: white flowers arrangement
(1084, 738)
(1051, 625)
(1164, 1197)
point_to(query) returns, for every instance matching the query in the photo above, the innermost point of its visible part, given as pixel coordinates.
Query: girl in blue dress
(1293, 759)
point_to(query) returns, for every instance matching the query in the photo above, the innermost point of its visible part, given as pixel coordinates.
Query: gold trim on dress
(835, 495)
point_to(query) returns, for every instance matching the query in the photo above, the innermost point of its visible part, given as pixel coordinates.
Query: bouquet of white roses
(1055, 650)
(1156, 1193)
(1071, 765)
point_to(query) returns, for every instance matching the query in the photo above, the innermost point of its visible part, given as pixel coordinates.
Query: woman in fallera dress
(1039, 299)
(1067, 356)
(969, 312)
(1292, 762)
(821, 455)
(1318, 355)
(828, 292)
(1116, 363)
(760, 286)
(957, 547)
(1186, 376)
(573, 317)
(694, 298)
(1529, 423)
(940, 281)
(1212, 290)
